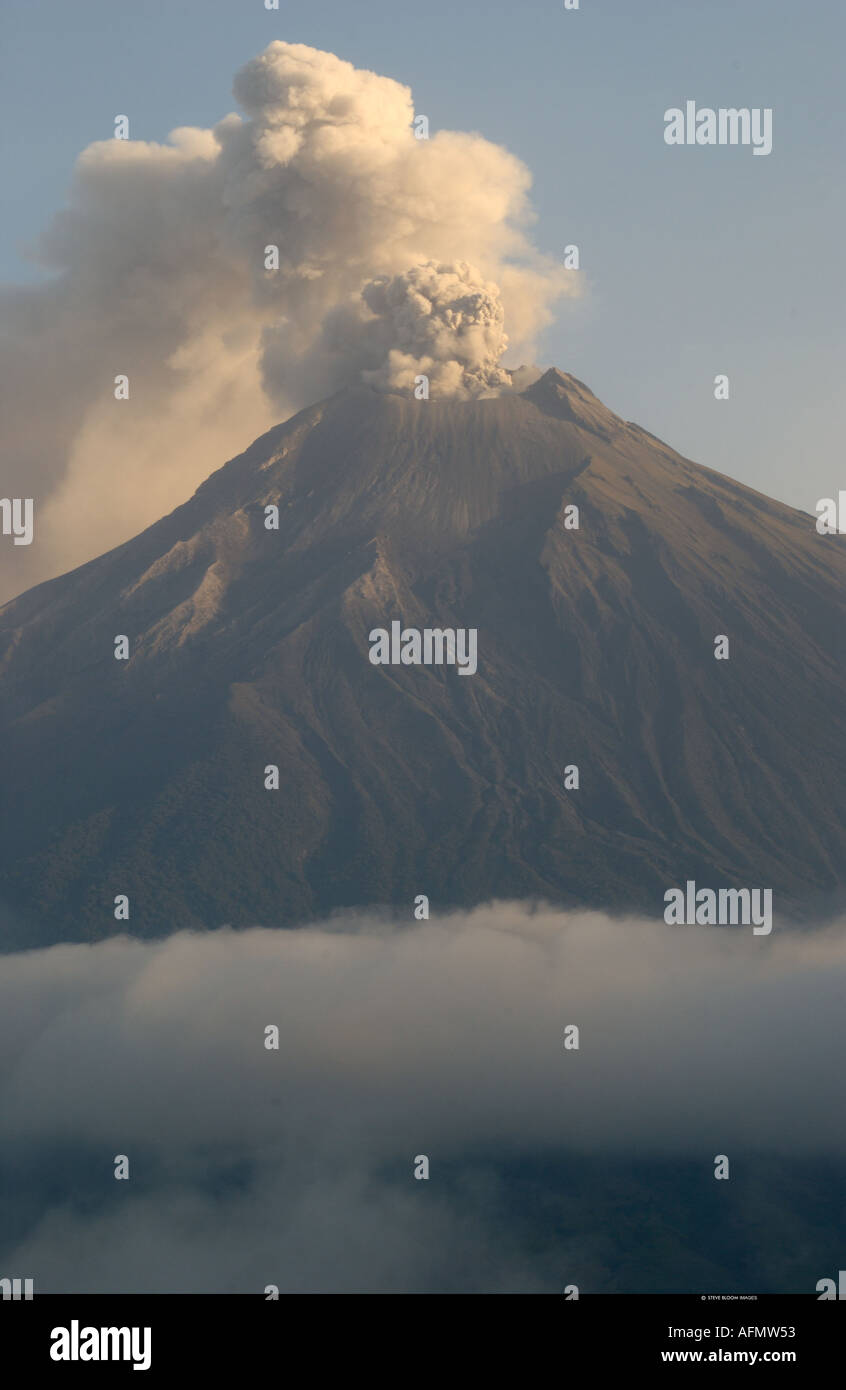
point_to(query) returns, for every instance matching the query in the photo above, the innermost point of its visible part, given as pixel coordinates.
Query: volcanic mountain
(249, 647)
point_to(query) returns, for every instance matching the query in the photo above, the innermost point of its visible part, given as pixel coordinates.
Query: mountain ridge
(248, 647)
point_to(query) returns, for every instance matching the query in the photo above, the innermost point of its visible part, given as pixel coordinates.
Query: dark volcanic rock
(596, 645)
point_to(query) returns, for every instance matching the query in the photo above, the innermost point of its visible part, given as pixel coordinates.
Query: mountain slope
(250, 647)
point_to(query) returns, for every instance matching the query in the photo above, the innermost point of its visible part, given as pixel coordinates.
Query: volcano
(599, 570)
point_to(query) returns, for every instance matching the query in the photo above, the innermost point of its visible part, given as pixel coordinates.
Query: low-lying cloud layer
(251, 1166)
(393, 253)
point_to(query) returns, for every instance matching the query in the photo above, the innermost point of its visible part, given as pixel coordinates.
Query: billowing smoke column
(441, 320)
(237, 274)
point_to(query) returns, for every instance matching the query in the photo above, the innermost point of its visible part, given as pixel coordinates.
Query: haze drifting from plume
(397, 255)
(251, 1166)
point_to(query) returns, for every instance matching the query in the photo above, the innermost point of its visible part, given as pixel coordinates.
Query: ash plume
(396, 256)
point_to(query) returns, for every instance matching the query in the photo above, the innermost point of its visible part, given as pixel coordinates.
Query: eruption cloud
(396, 256)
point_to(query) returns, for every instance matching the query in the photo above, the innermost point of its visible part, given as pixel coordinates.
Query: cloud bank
(394, 253)
(295, 1166)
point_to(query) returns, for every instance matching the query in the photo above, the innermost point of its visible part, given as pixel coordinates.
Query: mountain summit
(248, 648)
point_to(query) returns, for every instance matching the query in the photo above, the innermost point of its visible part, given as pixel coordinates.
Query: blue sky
(698, 261)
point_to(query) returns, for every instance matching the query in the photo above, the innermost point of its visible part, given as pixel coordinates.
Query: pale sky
(698, 261)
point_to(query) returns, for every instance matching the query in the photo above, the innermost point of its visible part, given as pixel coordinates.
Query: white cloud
(443, 1038)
